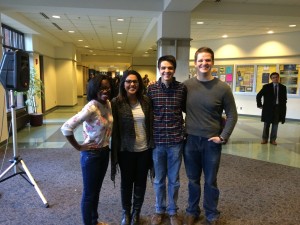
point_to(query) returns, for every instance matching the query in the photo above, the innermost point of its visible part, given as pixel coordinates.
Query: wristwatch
(223, 141)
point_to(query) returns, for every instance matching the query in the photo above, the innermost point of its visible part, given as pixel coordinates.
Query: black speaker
(14, 71)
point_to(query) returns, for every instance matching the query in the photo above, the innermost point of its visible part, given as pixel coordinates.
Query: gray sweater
(205, 104)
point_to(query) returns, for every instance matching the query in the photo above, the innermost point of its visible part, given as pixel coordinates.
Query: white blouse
(96, 119)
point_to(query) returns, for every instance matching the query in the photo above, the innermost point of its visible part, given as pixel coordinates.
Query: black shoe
(125, 218)
(135, 217)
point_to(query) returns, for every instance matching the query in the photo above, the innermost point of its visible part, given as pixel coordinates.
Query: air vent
(44, 15)
(58, 27)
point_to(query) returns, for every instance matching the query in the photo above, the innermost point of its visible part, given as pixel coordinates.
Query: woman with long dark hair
(132, 144)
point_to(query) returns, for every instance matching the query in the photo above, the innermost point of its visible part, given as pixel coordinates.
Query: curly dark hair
(94, 87)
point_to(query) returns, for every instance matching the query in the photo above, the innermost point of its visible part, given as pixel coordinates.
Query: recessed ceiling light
(225, 36)
(120, 19)
(200, 22)
(56, 17)
(80, 40)
(119, 33)
(270, 32)
(71, 31)
(292, 25)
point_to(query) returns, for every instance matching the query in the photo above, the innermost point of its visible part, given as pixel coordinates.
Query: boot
(138, 199)
(126, 205)
(135, 217)
(125, 218)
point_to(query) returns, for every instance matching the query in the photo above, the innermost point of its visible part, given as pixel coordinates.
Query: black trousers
(275, 121)
(134, 168)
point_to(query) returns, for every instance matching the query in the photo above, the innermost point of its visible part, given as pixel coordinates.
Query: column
(174, 39)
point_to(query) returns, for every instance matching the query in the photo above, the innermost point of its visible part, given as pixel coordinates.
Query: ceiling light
(119, 42)
(119, 47)
(71, 31)
(292, 25)
(225, 36)
(119, 33)
(270, 32)
(56, 17)
(80, 40)
(120, 19)
(200, 22)
(86, 46)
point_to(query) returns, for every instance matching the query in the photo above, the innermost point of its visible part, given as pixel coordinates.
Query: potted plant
(35, 92)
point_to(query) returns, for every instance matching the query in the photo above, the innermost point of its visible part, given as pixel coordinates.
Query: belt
(100, 149)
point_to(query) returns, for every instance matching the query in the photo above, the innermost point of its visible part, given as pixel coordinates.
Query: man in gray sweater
(207, 98)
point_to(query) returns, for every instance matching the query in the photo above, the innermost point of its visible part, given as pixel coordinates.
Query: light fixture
(80, 40)
(120, 19)
(119, 33)
(225, 36)
(56, 17)
(200, 22)
(71, 31)
(270, 32)
(292, 25)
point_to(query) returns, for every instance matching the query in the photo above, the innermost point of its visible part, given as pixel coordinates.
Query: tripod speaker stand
(17, 159)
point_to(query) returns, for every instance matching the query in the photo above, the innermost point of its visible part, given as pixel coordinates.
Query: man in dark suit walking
(273, 107)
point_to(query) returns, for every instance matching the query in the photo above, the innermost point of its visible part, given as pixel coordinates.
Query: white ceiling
(95, 21)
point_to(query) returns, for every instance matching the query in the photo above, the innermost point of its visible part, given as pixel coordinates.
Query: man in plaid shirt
(168, 98)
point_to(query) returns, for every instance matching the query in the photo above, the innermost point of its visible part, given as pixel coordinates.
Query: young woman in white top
(96, 118)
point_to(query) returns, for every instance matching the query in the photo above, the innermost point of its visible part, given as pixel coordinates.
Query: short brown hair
(205, 49)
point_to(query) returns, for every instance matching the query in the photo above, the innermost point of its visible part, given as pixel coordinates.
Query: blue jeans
(93, 165)
(202, 155)
(167, 162)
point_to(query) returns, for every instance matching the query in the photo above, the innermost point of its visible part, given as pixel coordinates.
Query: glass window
(12, 40)
(263, 75)
(224, 73)
(244, 78)
(289, 76)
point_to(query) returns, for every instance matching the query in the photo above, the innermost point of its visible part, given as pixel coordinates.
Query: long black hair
(122, 92)
(94, 87)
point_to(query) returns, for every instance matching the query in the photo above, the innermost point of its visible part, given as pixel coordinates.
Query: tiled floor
(245, 140)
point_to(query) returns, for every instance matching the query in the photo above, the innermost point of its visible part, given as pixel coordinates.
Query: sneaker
(190, 219)
(175, 220)
(156, 219)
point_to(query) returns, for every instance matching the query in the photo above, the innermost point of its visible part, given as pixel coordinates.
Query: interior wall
(50, 80)
(266, 49)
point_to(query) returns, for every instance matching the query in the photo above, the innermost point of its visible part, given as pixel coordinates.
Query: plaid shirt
(168, 104)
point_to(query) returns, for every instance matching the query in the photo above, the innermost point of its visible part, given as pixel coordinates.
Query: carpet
(252, 192)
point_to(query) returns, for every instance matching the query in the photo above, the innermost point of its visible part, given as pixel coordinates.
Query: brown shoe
(273, 142)
(175, 220)
(190, 219)
(264, 142)
(157, 219)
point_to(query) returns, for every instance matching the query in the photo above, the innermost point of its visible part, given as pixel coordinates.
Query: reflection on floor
(245, 140)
